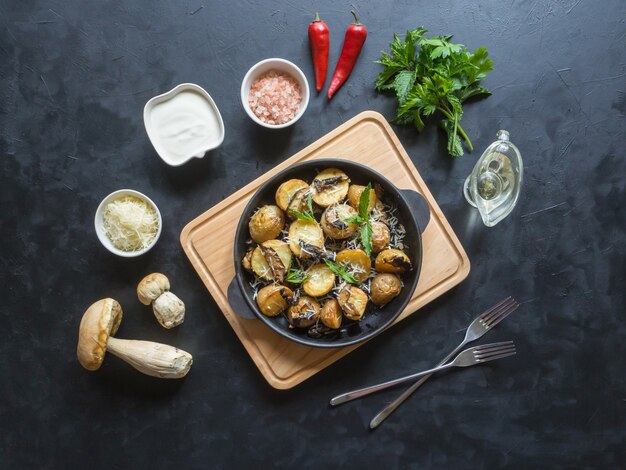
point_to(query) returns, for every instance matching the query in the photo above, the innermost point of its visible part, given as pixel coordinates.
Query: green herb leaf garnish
(430, 75)
(366, 237)
(296, 276)
(363, 219)
(308, 215)
(341, 271)
(364, 202)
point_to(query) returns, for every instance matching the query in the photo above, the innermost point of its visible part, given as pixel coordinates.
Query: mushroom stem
(154, 359)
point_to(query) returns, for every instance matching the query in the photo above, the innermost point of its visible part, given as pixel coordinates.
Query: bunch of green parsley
(430, 75)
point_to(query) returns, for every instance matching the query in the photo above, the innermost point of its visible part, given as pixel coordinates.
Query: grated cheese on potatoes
(130, 223)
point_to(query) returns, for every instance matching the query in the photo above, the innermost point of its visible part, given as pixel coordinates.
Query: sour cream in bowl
(183, 123)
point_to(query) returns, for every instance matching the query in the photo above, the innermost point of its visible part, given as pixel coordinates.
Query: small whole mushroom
(168, 309)
(95, 337)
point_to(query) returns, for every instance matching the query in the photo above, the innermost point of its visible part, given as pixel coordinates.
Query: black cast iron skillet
(413, 214)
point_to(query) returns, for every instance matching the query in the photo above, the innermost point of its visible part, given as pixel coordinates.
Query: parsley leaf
(296, 276)
(363, 219)
(364, 202)
(430, 75)
(341, 271)
(354, 219)
(366, 237)
(308, 215)
(302, 215)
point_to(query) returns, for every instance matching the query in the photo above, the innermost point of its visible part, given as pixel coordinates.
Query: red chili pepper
(320, 42)
(352, 44)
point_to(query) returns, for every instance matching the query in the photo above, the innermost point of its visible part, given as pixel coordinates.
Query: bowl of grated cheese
(128, 223)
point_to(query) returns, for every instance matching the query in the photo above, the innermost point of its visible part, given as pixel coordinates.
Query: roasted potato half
(271, 260)
(304, 313)
(353, 302)
(393, 261)
(330, 187)
(320, 280)
(384, 288)
(299, 202)
(273, 300)
(334, 222)
(266, 223)
(331, 314)
(287, 190)
(381, 236)
(307, 232)
(354, 196)
(358, 262)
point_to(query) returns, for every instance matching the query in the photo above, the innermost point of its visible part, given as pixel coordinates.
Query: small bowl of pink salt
(275, 93)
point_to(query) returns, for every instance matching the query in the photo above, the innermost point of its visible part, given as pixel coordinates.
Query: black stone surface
(74, 77)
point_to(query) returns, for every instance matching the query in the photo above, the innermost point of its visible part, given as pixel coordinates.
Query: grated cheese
(130, 223)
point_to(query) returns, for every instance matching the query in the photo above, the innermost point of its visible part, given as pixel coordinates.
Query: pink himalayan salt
(275, 97)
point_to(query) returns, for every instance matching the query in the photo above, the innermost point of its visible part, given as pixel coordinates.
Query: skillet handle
(419, 207)
(238, 303)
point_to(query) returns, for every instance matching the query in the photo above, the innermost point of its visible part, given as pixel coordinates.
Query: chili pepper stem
(317, 16)
(356, 18)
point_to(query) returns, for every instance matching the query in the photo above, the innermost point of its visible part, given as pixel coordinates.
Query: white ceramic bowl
(280, 65)
(98, 222)
(204, 114)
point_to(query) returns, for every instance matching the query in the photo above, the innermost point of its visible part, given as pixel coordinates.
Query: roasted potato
(299, 202)
(331, 314)
(393, 261)
(271, 260)
(358, 262)
(273, 300)
(247, 260)
(384, 287)
(287, 190)
(352, 301)
(320, 280)
(378, 213)
(266, 223)
(380, 236)
(330, 187)
(306, 232)
(354, 196)
(304, 313)
(334, 222)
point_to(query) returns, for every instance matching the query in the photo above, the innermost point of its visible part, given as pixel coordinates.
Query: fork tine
(493, 348)
(503, 305)
(487, 312)
(484, 347)
(498, 356)
(499, 316)
(494, 352)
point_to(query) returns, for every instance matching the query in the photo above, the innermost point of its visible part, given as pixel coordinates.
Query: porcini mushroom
(95, 337)
(168, 309)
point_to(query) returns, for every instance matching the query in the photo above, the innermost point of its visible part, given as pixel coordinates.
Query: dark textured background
(74, 77)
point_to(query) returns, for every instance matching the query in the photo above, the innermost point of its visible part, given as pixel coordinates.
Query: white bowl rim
(245, 85)
(168, 95)
(105, 240)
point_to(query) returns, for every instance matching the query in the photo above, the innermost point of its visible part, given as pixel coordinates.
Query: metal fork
(481, 325)
(473, 356)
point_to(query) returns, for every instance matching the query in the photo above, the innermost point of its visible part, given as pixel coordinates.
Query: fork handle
(391, 407)
(353, 395)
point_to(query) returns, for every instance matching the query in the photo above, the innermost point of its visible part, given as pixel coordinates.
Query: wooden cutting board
(208, 242)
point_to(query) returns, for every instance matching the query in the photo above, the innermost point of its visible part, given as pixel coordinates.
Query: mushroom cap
(101, 319)
(151, 287)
